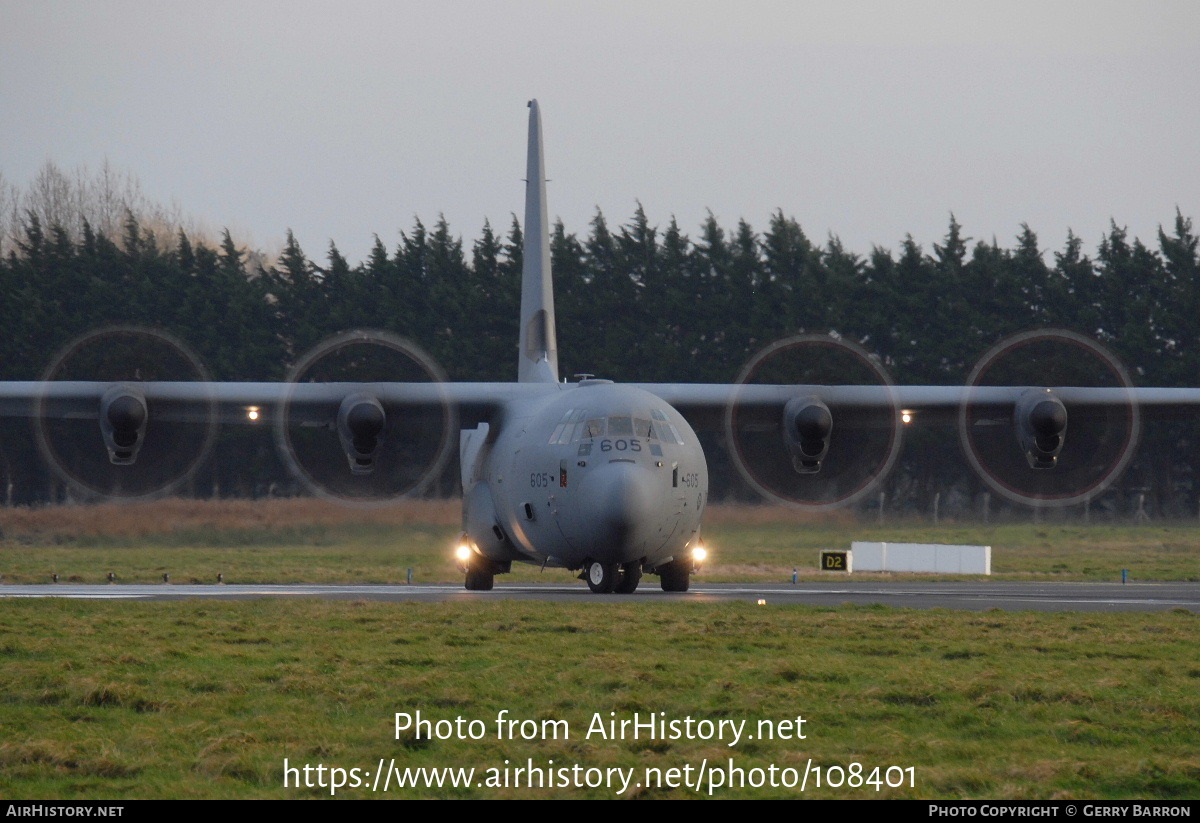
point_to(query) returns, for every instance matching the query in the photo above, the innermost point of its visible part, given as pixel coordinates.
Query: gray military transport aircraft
(611, 479)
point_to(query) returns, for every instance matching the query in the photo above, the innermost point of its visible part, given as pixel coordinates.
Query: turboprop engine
(123, 418)
(360, 424)
(1041, 421)
(807, 423)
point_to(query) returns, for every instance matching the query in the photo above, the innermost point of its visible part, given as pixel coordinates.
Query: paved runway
(971, 596)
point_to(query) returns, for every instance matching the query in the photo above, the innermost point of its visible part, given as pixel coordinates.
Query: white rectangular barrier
(921, 557)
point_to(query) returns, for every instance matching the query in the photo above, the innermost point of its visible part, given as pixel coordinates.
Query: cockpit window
(592, 428)
(576, 426)
(620, 426)
(666, 430)
(565, 431)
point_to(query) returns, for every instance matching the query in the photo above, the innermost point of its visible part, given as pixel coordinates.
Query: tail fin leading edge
(538, 362)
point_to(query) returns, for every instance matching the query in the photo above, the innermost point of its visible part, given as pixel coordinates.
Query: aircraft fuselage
(593, 472)
(590, 475)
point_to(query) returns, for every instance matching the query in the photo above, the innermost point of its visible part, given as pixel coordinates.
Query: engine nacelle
(1041, 423)
(360, 424)
(807, 423)
(123, 419)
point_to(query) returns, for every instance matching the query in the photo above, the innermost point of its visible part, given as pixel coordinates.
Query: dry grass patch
(317, 541)
(179, 514)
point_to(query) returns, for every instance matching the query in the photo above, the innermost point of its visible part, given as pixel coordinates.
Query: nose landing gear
(631, 573)
(621, 578)
(602, 577)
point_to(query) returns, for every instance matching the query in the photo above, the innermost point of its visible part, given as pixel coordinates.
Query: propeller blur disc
(1099, 440)
(863, 446)
(414, 444)
(170, 452)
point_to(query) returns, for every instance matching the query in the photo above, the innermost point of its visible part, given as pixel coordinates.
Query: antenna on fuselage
(538, 360)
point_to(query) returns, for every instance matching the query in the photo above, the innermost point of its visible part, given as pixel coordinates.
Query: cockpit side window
(666, 430)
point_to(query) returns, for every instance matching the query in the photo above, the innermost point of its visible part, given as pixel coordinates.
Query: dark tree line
(635, 303)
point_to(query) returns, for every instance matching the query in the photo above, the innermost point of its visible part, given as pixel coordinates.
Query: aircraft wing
(317, 403)
(827, 445)
(706, 403)
(307, 403)
(810, 444)
(406, 430)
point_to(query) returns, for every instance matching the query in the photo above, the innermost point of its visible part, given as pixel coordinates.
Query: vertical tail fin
(538, 362)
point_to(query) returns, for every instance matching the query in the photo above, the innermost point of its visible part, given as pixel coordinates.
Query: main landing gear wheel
(479, 580)
(631, 575)
(602, 577)
(676, 576)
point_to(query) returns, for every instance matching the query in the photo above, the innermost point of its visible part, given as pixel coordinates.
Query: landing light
(252, 412)
(906, 416)
(699, 554)
(463, 552)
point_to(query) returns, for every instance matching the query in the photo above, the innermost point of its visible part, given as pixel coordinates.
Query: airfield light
(906, 416)
(762, 602)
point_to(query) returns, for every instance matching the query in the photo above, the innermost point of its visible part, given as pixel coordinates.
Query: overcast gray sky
(866, 120)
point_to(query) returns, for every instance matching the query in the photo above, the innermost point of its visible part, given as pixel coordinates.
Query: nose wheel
(622, 578)
(602, 577)
(631, 574)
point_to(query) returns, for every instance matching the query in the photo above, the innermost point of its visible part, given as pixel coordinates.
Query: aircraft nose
(624, 504)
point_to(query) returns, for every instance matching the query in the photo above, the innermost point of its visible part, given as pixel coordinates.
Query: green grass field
(203, 699)
(103, 699)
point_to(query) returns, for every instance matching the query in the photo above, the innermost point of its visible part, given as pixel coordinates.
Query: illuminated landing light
(699, 554)
(252, 412)
(906, 416)
(462, 554)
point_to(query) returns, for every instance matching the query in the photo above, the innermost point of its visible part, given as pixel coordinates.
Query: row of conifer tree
(637, 303)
